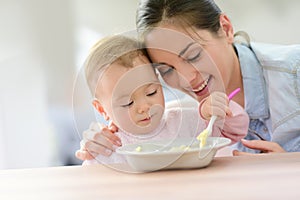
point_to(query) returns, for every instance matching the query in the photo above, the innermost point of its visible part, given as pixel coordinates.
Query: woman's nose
(187, 74)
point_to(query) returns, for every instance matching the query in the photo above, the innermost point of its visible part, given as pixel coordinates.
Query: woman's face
(194, 68)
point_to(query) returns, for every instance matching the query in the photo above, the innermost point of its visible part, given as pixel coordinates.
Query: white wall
(38, 47)
(271, 21)
(2, 147)
(106, 17)
(36, 76)
(26, 139)
(25, 131)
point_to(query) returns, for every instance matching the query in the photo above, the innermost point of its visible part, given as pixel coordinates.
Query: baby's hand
(215, 104)
(98, 139)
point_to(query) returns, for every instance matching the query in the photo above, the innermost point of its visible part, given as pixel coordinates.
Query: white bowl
(157, 155)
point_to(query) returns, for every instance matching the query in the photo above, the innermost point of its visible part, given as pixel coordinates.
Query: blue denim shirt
(271, 78)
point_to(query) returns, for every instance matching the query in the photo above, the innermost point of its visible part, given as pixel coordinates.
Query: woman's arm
(98, 139)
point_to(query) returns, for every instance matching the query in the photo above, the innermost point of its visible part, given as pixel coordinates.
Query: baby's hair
(108, 50)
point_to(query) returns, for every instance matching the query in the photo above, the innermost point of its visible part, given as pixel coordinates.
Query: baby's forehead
(132, 59)
(142, 73)
(135, 78)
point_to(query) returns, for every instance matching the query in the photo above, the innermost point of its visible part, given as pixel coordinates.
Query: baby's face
(132, 97)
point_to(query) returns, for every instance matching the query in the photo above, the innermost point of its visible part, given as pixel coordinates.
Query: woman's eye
(127, 105)
(194, 58)
(166, 71)
(152, 93)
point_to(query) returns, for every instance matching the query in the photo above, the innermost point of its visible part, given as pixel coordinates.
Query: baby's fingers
(219, 98)
(228, 112)
(219, 112)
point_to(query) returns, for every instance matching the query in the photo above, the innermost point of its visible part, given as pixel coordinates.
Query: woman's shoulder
(277, 56)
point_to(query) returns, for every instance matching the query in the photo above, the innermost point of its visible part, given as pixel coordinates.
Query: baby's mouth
(146, 119)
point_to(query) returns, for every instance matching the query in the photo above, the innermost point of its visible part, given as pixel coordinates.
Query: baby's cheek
(158, 111)
(122, 118)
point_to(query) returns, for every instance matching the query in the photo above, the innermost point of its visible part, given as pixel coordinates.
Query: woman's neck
(236, 80)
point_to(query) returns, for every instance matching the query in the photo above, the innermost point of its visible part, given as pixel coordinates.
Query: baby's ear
(97, 105)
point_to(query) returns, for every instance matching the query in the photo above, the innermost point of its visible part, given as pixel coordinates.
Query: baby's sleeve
(235, 127)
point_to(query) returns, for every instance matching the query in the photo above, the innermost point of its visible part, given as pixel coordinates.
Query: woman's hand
(215, 104)
(98, 139)
(263, 146)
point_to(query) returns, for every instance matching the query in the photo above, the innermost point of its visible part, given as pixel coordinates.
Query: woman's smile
(202, 88)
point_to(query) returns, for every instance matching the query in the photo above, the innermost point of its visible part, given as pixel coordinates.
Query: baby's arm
(215, 104)
(232, 121)
(235, 127)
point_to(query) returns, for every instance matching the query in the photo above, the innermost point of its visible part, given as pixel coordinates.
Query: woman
(192, 42)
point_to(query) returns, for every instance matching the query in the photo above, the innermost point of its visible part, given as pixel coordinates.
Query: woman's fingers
(89, 150)
(96, 131)
(95, 148)
(98, 139)
(112, 127)
(240, 153)
(83, 155)
(103, 138)
(263, 146)
(107, 133)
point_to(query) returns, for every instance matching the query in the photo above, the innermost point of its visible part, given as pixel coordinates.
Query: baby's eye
(152, 93)
(127, 105)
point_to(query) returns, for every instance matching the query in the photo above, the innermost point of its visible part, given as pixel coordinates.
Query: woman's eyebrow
(185, 49)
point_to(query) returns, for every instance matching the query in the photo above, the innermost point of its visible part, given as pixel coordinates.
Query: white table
(271, 176)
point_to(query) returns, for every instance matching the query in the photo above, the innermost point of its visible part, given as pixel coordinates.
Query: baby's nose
(144, 107)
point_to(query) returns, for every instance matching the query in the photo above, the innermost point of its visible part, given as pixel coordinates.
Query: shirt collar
(256, 100)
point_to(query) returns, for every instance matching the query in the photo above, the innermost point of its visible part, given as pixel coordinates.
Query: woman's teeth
(201, 86)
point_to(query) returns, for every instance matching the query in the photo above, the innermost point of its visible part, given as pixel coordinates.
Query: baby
(128, 92)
